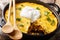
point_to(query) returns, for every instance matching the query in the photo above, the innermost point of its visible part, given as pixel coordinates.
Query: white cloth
(3, 3)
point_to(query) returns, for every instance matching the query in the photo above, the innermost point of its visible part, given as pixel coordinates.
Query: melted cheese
(45, 20)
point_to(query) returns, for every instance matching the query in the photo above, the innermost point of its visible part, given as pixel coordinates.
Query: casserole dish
(41, 36)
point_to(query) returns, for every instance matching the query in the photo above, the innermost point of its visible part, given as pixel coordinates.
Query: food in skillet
(33, 18)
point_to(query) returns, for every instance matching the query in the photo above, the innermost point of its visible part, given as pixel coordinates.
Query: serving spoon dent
(7, 28)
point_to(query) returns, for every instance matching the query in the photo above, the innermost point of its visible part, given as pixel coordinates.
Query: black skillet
(50, 7)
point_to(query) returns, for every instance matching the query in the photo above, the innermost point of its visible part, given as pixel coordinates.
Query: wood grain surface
(58, 2)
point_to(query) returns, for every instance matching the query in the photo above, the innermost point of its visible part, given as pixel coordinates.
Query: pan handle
(54, 6)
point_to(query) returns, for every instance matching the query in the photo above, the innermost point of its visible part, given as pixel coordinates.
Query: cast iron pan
(49, 6)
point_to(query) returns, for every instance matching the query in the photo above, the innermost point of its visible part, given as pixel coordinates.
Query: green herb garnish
(21, 25)
(38, 8)
(46, 13)
(18, 19)
(27, 22)
(21, 5)
(40, 16)
(52, 22)
(19, 8)
(48, 19)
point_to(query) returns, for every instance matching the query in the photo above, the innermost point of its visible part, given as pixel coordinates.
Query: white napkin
(3, 3)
